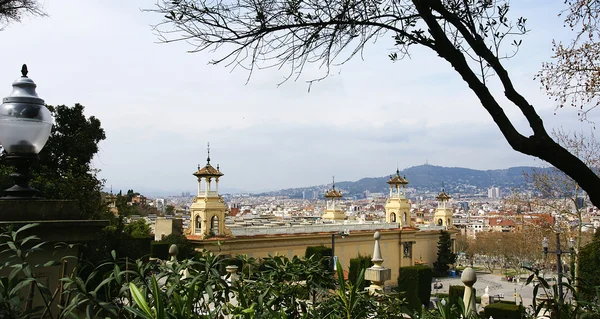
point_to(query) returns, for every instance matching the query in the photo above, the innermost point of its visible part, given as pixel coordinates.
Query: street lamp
(343, 234)
(25, 125)
(559, 252)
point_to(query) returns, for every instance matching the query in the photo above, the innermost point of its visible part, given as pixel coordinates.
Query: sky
(161, 105)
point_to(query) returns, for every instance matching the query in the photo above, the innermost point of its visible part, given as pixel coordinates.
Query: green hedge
(454, 293)
(356, 266)
(159, 250)
(414, 284)
(504, 311)
(320, 252)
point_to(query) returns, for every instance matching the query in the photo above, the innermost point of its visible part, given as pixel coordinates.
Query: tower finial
(24, 70)
(208, 149)
(333, 184)
(443, 186)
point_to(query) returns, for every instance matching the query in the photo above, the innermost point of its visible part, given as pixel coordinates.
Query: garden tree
(520, 249)
(559, 192)
(486, 248)
(170, 209)
(14, 10)
(509, 250)
(471, 35)
(461, 245)
(445, 256)
(572, 77)
(138, 229)
(64, 169)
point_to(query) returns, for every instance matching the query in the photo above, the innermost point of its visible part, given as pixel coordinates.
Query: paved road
(496, 285)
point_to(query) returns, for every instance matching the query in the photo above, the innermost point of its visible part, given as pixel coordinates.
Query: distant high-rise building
(494, 192)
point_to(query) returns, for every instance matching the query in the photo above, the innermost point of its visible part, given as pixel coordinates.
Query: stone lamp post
(377, 274)
(25, 125)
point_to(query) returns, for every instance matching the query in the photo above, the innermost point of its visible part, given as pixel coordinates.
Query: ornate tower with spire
(333, 211)
(443, 213)
(397, 207)
(208, 209)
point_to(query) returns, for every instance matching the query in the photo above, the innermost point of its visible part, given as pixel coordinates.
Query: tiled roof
(208, 171)
(443, 196)
(397, 179)
(333, 193)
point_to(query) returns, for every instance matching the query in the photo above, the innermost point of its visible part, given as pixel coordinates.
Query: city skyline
(160, 105)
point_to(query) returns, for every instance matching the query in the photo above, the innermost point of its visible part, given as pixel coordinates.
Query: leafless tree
(14, 10)
(572, 78)
(560, 193)
(473, 36)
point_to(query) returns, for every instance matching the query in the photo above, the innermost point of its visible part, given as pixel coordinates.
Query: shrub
(503, 311)
(160, 250)
(356, 266)
(186, 249)
(414, 283)
(455, 292)
(319, 253)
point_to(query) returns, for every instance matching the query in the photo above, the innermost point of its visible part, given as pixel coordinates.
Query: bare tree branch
(15, 10)
(470, 34)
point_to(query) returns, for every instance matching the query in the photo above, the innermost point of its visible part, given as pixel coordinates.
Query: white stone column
(469, 278)
(377, 274)
(207, 187)
(217, 185)
(199, 185)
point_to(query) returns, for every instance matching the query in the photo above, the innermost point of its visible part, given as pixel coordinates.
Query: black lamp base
(21, 190)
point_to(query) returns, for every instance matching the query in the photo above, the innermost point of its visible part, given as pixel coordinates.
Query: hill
(426, 178)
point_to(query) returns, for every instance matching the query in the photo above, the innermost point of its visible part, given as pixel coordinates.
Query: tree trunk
(540, 144)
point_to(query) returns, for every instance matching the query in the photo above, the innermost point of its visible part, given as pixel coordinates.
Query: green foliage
(114, 238)
(186, 248)
(357, 265)
(414, 284)
(504, 311)
(589, 272)
(455, 295)
(65, 170)
(159, 250)
(320, 253)
(138, 229)
(445, 256)
(16, 248)
(170, 209)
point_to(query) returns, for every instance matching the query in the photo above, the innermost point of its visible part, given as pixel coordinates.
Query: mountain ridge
(425, 178)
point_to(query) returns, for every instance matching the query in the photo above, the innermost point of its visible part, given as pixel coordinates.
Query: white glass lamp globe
(25, 122)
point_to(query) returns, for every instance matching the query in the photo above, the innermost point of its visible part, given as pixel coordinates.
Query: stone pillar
(377, 274)
(485, 298)
(469, 278)
(232, 272)
(173, 251)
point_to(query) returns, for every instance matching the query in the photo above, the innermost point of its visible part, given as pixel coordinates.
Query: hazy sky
(160, 105)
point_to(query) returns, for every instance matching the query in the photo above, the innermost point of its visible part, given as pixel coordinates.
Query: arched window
(198, 222)
(404, 219)
(448, 222)
(214, 225)
(440, 222)
(393, 217)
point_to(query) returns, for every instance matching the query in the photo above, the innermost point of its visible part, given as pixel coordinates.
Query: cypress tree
(445, 255)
